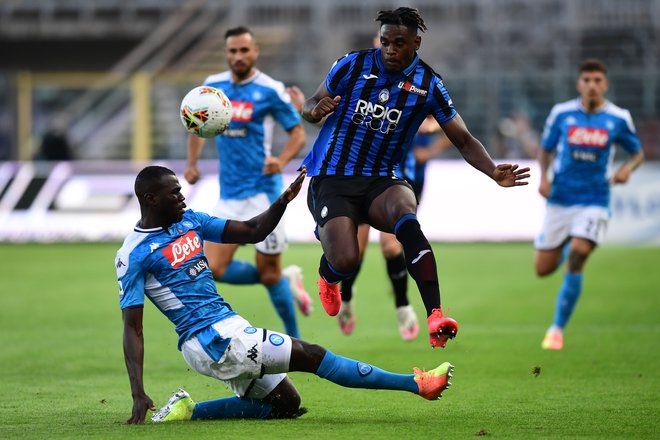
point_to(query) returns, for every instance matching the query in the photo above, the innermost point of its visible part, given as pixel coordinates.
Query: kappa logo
(153, 246)
(253, 353)
(183, 249)
(119, 264)
(408, 87)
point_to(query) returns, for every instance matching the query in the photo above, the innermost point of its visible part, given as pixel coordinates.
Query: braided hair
(408, 17)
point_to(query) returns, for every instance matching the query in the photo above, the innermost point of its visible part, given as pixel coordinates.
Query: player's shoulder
(264, 80)
(217, 78)
(131, 249)
(349, 57)
(564, 108)
(617, 111)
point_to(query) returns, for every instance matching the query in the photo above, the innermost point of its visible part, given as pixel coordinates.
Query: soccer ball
(205, 111)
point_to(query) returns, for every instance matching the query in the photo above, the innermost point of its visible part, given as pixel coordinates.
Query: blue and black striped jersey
(377, 117)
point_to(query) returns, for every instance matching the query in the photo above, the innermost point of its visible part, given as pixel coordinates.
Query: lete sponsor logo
(183, 249)
(241, 111)
(588, 137)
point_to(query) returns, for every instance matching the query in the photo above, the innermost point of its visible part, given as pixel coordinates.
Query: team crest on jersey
(276, 339)
(364, 369)
(242, 111)
(183, 249)
(588, 137)
(250, 330)
(408, 87)
(187, 224)
(383, 96)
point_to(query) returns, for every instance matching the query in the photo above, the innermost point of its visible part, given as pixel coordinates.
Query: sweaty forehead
(394, 31)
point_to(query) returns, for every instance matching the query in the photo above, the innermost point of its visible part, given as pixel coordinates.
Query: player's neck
(593, 106)
(244, 78)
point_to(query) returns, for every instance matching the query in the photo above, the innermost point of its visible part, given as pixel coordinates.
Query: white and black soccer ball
(205, 111)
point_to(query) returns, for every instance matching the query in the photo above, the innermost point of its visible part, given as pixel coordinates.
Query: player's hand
(191, 174)
(297, 97)
(544, 188)
(509, 175)
(325, 106)
(272, 165)
(140, 406)
(292, 191)
(622, 175)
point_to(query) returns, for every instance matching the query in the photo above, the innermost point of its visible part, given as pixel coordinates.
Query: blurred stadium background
(106, 78)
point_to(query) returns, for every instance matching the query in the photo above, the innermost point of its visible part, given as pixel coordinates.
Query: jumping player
(163, 259)
(375, 100)
(579, 140)
(250, 176)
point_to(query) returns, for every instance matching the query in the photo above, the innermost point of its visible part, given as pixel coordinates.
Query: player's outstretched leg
(293, 274)
(420, 262)
(354, 374)
(181, 407)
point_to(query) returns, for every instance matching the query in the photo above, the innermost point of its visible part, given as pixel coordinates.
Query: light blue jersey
(584, 146)
(257, 103)
(169, 267)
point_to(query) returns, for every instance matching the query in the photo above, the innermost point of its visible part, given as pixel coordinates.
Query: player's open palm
(509, 175)
(292, 191)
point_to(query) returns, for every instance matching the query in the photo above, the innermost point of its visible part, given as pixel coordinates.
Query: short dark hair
(148, 178)
(238, 30)
(593, 65)
(408, 17)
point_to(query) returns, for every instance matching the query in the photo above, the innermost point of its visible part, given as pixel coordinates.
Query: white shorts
(562, 222)
(253, 364)
(245, 209)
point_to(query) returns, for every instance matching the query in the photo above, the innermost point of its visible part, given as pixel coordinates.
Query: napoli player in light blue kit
(579, 142)
(163, 259)
(250, 176)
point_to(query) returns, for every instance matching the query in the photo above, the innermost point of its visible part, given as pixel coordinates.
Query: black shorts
(346, 196)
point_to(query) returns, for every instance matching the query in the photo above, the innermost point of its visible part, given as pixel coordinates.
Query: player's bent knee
(285, 400)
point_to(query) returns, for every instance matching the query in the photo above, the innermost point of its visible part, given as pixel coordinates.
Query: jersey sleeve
(130, 277)
(212, 228)
(551, 132)
(443, 109)
(627, 137)
(334, 82)
(281, 108)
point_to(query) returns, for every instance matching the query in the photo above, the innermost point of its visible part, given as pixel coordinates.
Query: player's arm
(257, 228)
(622, 175)
(295, 143)
(545, 159)
(134, 358)
(195, 147)
(321, 104)
(476, 155)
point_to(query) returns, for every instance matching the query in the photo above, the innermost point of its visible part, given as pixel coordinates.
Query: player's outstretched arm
(134, 357)
(257, 228)
(476, 155)
(320, 105)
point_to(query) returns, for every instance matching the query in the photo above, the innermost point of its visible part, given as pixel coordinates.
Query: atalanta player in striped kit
(374, 101)
(580, 135)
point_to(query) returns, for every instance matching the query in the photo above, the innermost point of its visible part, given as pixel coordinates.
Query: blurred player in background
(375, 100)
(578, 141)
(250, 177)
(163, 259)
(426, 145)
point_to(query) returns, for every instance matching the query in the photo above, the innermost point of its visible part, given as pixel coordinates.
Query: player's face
(241, 52)
(592, 87)
(398, 45)
(168, 200)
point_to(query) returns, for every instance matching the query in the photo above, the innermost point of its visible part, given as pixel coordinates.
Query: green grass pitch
(63, 373)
